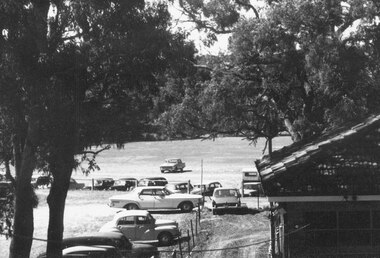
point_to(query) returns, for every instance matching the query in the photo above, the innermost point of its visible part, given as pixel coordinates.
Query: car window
(166, 192)
(129, 220)
(142, 220)
(147, 192)
(160, 192)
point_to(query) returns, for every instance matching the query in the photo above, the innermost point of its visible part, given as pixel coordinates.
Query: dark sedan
(124, 184)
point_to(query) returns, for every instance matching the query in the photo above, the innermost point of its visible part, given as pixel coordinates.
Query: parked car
(250, 175)
(155, 197)
(140, 226)
(252, 189)
(116, 239)
(101, 251)
(102, 183)
(41, 181)
(74, 185)
(152, 181)
(206, 189)
(172, 165)
(225, 197)
(124, 184)
(181, 187)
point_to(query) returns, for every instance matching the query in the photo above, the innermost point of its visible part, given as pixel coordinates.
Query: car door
(144, 229)
(127, 226)
(161, 199)
(147, 199)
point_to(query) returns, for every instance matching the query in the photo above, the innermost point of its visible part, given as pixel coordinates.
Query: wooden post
(92, 184)
(196, 224)
(199, 214)
(188, 242)
(192, 232)
(272, 231)
(180, 248)
(188, 186)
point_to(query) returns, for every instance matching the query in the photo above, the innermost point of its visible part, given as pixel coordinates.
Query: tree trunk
(24, 198)
(293, 133)
(61, 169)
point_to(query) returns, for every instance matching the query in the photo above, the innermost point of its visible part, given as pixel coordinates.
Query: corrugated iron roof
(299, 153)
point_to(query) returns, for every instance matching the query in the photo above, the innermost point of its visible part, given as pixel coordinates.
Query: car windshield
(167, 191)
(135, 191)
(226, 193)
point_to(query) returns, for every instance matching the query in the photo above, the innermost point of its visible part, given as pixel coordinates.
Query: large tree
(77, 74)
(295, 66)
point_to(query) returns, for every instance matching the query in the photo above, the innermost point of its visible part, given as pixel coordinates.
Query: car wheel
(165, 238)
(186, 207)
(131, 206)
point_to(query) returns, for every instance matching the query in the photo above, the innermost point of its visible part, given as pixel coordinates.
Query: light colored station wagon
(155, 197)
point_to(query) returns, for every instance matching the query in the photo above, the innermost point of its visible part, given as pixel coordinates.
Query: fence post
(188, 241)
(196, 225)
(199, 214)
(180, 247)
(188, 186)
(192, 232)
(92, 183)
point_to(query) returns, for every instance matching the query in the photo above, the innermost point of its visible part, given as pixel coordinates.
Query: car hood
(109, 227)
(165, 222)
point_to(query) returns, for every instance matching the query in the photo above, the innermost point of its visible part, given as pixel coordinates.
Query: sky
(180, 21)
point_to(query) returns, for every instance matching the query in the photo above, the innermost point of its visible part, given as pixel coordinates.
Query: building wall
(332, 228)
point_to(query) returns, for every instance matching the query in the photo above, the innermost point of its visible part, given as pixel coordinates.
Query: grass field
(86, 211)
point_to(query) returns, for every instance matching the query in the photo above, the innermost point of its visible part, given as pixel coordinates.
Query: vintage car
(116, 239)
(181, 187)
(155, 197)
(227, 200)
(152, 181)
(102, 183)
(206, 189)
(41, 181)
(172, 165)
(124, 184)
(140, 226)
(252, 189)
(74, 185)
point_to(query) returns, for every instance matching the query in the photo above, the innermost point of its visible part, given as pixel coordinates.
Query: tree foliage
(299, 66)
(76, 74)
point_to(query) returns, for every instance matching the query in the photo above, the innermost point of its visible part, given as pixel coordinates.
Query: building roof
(301, 152)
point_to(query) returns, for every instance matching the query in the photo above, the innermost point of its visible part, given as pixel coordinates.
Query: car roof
(150, 187)
(124, 213)
(251, 169)
(209, 182)
(225, 188)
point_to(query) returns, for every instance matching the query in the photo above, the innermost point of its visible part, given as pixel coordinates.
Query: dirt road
(232, 235)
